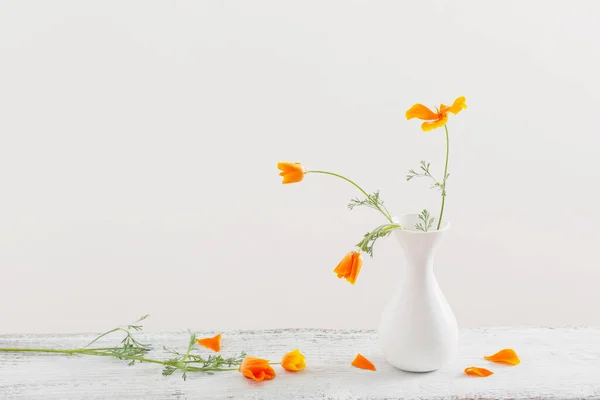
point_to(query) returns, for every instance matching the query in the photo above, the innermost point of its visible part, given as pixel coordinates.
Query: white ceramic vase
(418, 330)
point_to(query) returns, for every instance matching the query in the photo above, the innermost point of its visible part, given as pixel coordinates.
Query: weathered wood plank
(557, 363)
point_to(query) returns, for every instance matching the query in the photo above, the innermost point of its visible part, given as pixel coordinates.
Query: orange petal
(213, 343)
(344, 267)
(428, 126)
(356, 265)
(475, 371)
(507, 356)
(421, 112)
(257, 369)
(293, 361)
(458, 105)
(361, 362)
(289, 166)
(291, 172)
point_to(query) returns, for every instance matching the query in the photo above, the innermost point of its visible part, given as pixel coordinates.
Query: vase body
(418, 330)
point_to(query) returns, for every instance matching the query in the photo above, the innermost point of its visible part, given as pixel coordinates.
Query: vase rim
(397, 218)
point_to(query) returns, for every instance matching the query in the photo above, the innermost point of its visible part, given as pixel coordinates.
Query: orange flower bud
(257, 369)
(293, 361)
(349, 267)
(291, 172)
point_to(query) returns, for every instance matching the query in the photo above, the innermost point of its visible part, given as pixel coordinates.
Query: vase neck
(419, 251)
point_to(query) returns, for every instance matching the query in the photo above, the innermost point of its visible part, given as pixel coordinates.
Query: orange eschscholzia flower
(213, 343)
(349, 267)
(257, 369)
(362, 362)
(506, 356)
(291, 172)
(475, 371)
(438, 118)
(293, 361)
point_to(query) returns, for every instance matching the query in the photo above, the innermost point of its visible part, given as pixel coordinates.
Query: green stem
(27, 350)
(94, 352)
(445, 177)
(98, 348)
(212, 369)
(149, 360)
(105, 334)
(83, 350)
(187, 354)
(385, 213)
(124, 357)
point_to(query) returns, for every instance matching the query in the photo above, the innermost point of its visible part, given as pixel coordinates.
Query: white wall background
(139, 142)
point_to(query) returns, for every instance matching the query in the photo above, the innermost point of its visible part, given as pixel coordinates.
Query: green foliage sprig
(366, 244)
(372, 201)
(426, 221)
(425, 173)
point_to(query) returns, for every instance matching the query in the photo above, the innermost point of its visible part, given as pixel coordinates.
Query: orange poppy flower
(435, 119)
(475, 371)
(361, 362)
(213, 343)
(291, 172)
(293, 361)
(257, 369)
(349, 267)
(507, 356)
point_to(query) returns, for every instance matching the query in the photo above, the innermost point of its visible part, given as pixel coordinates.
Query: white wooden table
(556, 363)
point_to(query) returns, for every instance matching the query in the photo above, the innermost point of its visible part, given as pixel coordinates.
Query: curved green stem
(187, 354)
(385, 213)
(445, 177)
(105, 334)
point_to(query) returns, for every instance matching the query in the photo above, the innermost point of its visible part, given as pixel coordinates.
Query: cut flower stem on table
(132, 351)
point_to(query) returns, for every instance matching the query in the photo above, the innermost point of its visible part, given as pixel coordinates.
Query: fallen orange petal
(475, 371)
(257, 369)
(293, 361)
(349, 267)
(508, 356)
(291, 172)
(213, 343)
(361, 362)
